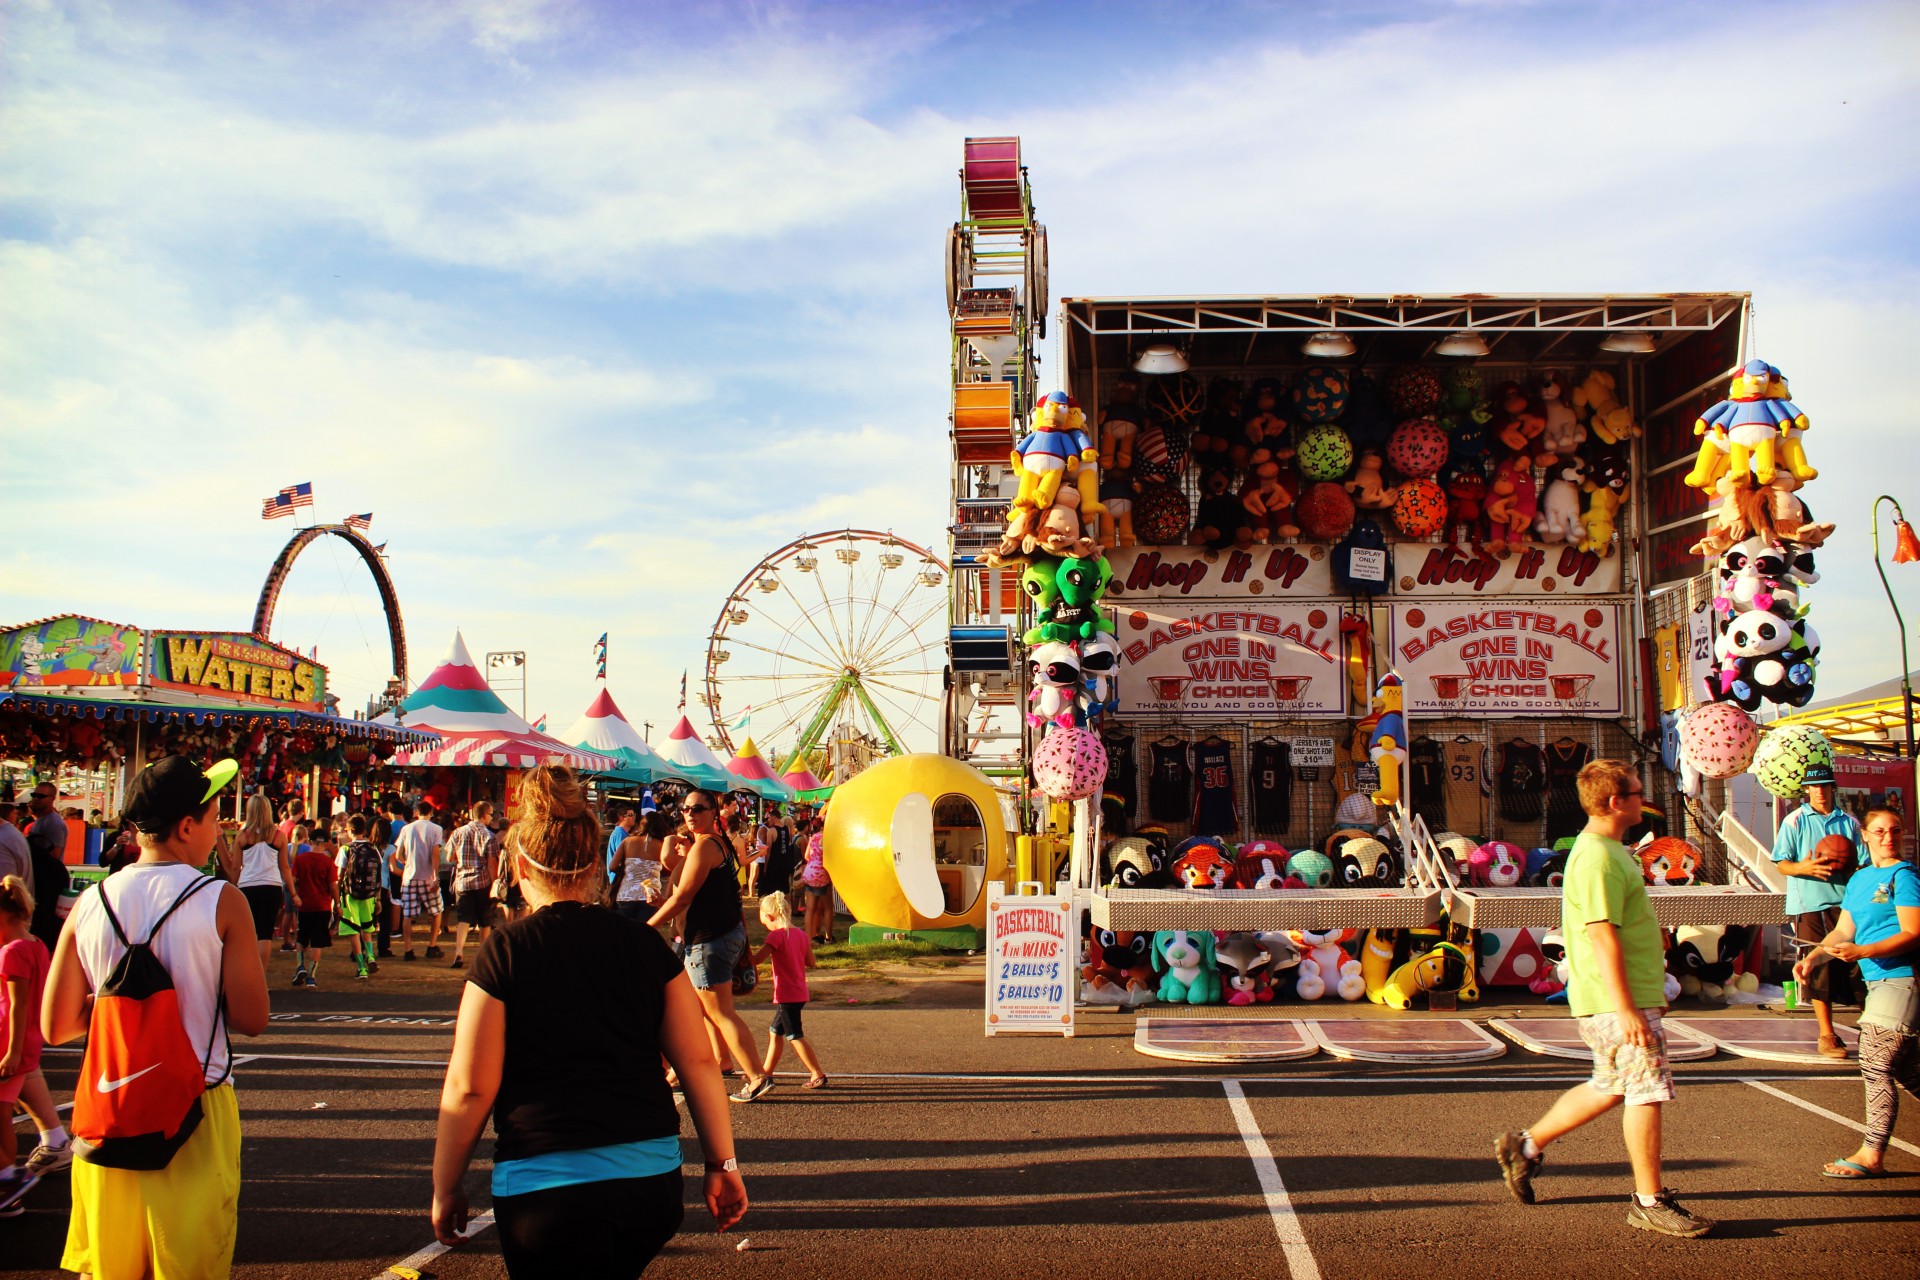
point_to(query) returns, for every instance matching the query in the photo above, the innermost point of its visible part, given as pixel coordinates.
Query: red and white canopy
(491, 749)
(602, 728)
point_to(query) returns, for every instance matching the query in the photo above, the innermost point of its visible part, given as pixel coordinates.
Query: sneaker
(46, 1159)
(458, 963)
(1510, 1150)
(313, 980)
(373, 966)
(1666, 1216)
(408, 955)
(288, 946)
(360, 975)
(752, 1092)
(300, 977)
(434, 953)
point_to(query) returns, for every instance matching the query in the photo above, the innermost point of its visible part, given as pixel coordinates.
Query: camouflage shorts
(1638, 1075)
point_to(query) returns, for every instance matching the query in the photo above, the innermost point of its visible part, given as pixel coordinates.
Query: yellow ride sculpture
(912, 841)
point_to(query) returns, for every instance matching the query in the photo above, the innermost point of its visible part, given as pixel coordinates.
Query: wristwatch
(729, 1165)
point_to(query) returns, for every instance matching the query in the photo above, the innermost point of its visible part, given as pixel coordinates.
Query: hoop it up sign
(1472, 658)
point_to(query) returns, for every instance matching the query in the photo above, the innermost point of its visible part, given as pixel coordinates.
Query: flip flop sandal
(820, 1083)
(1856, 1171)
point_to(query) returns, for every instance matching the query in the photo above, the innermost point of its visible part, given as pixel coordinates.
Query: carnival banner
(69, 652)
(1173, 573)
(1193, 659)
(237, 666)
(1425, 569)
(1483, 659)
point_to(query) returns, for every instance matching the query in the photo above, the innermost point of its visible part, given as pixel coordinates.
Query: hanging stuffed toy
(1386, 747)
(1056, 684)
(1116, 522)
(1070, 763)
(1563, 434)
(1754, 430)
(1359, 564)
(1221, 520)
(1600, 410)
(1268, 502)
(1559, 518)
(1606, 482)
(1465, 482)
(1121, 417)
(1519, 420)
(1511, 505)
(1044, 459)
(1099, 661)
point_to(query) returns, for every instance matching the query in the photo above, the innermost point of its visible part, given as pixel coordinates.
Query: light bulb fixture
(1628, 342)
(1161, 357)
(1466, 344)
(1331, 345)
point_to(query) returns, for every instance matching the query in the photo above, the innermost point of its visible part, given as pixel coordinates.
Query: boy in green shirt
(1617, 991)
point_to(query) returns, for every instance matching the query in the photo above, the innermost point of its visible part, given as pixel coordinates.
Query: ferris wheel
(834, 634)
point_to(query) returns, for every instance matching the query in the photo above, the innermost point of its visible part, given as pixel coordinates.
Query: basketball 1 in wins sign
(1031, 956)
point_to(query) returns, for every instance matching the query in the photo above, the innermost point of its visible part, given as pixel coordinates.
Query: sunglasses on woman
(698, 808)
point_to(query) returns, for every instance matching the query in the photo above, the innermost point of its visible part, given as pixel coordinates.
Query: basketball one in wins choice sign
(1230, 660)
(1479, 658)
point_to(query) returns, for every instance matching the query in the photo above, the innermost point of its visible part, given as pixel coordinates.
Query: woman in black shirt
(562, 1025)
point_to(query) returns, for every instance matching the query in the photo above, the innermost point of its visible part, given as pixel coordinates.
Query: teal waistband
(591, 1164)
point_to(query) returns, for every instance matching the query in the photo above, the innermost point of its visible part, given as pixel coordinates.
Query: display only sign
(235, 666)
(1031, 953)
(1199, 660)
(1484, 659)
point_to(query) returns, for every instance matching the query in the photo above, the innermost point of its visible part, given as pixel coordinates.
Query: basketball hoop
(1169, 688)
(1449, 690)
(1290, 688)
(1572, 689)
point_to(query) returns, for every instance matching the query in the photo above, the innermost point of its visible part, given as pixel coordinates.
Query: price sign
(1032, 956)
(1313, 753)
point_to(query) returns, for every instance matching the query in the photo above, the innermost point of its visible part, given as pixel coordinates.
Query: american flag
(283, 503)
(361, 521)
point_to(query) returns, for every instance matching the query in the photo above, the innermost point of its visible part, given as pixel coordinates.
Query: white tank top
(261, 866)
(189, 945)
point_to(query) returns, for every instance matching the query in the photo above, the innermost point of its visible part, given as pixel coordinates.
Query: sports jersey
(1523, 781)
(1469, 784)
(1565, 817)
(1426, 780)
(1214, 813)
(1169, 783)
(1272, 766)
(1122, 771)
(1670, 663)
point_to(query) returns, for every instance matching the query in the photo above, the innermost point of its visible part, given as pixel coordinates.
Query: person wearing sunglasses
(707, 890)
(1878, 929)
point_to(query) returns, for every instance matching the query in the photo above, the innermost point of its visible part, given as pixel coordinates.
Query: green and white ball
(1325, 453)
(1784, 757)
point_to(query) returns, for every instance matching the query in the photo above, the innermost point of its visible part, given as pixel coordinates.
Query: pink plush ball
(1420, 509)
(1325, 512)
(1718, 739)
(1418, 448)
(1069, 764)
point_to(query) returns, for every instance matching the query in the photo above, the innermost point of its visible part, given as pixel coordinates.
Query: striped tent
(756, 775)
(685, 756)
(475, 727)
(603, 729)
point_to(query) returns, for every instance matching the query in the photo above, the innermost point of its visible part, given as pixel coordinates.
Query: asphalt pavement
(937, 1151)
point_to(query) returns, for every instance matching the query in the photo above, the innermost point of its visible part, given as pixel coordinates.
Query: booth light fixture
(1331, 345)
(1465, 344)
(1628, 342)
(1161, 357)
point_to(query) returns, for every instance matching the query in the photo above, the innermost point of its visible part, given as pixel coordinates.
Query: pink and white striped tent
(475, 727)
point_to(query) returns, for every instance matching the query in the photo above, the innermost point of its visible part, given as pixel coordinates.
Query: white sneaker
(46, 1159)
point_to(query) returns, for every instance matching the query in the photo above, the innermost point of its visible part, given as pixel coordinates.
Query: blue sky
(594, 305)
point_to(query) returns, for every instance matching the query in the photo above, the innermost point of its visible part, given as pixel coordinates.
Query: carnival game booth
(1295, 595)
(105, 699)
(483, 746)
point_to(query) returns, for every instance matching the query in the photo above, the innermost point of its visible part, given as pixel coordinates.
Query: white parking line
(478, 1223)
(1286, 1223)
(1856, 1125)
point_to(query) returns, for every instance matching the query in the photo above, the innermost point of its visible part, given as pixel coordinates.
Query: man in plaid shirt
(470, 850)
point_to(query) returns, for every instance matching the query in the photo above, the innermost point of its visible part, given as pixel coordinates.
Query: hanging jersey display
(1169, 793)
(1122, 771)
(1670, 662)
(1468, 785)
(1272, 766)
(1426, 782)
(1565, 759)
(1523, 781)
(1214, 812)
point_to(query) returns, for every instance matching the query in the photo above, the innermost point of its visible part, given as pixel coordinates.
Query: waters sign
(1193, 659)
(1476, 658)
(236, 666)
(1032, 952)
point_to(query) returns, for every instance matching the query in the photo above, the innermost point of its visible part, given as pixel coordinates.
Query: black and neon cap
(172, 789)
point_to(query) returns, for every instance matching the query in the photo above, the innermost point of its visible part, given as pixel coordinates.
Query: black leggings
(589, 1230)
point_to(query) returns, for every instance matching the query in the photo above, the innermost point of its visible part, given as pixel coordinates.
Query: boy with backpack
(155, 966)
(361, 865)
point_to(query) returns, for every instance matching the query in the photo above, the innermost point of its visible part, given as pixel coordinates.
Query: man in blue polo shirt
(1813, 896)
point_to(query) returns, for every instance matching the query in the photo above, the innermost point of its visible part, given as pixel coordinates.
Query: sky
(595, 305)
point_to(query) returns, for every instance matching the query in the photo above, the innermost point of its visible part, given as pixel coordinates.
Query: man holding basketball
(1816, 884)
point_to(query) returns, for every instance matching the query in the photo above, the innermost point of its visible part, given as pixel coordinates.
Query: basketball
(1837, 853)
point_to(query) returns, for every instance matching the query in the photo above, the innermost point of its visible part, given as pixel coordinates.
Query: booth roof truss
(1879, 722)
(1405, 313)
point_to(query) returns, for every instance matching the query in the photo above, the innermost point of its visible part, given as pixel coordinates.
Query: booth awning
(153, 711)
(489, 749)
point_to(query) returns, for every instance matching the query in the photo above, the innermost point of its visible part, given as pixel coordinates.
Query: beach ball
(1418, 448)
(1313, 867)
(1413, 392)
(1784, 756)
(1320, 394)
(1324, 453)
(1324, 511)
(1069, 763)
(1160, 515)
(1717, 739)
(1420, 509)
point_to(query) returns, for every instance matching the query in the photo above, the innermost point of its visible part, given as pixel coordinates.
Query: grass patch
(843, 955)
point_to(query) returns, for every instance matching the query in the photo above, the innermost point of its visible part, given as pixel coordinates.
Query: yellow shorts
(175, 1223)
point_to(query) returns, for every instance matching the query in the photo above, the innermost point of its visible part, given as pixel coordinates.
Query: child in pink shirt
(23, 978)
(792, 956)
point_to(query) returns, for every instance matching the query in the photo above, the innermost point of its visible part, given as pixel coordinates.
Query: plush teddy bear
(1596, 405)
(1465, 481)
(1368, 487)
(1221, 521)
(1563, 434)
(1186, 958)
(1559, 518)
(1120, 419)
(1512, 504)
(1269, 502)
